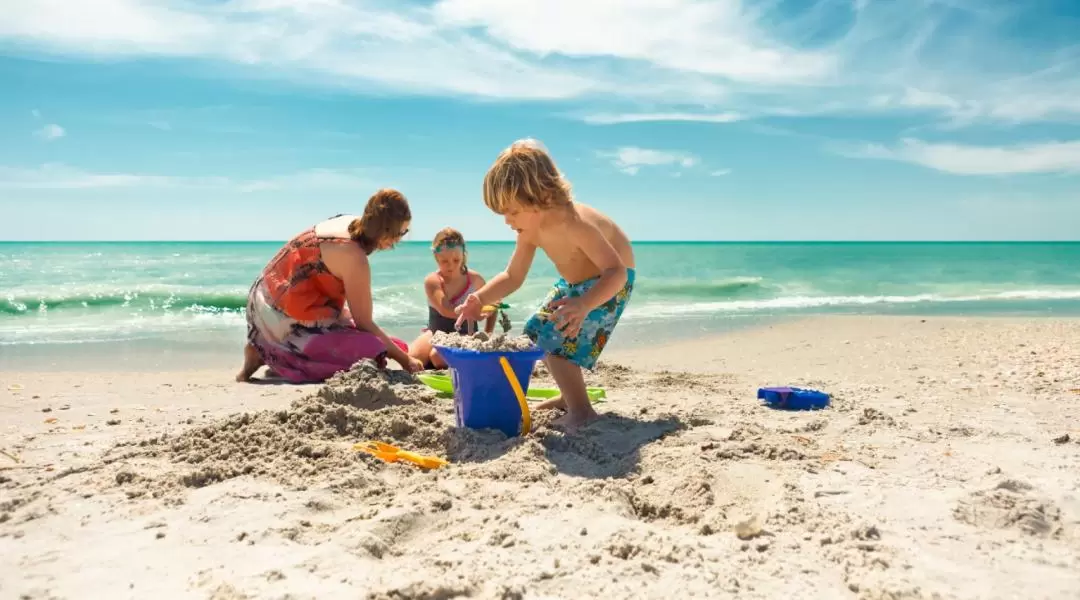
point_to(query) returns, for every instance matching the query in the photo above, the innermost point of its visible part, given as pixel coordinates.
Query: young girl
(446, 289)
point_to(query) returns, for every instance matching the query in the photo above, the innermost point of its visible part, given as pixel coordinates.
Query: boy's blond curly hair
(525, 175)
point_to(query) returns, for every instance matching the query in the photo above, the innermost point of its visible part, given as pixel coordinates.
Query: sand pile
(480, 342)
(309, 443)
(1011, 504)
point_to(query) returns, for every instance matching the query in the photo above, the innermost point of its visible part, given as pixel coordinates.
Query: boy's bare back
(560, 239)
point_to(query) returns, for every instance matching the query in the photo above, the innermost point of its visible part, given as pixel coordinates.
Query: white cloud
(651, 59)
(616, 118)
(720, 172)
(161, 125)
(709, 38)
(1046, 157)
(630, 159)
(50, 132)
(63, 177)
(357, 44)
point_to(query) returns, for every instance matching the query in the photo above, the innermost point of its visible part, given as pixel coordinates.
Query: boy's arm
(508, 281)
(612, 270)
(489, 323)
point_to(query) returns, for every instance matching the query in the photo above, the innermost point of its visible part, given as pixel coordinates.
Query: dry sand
(948, 466)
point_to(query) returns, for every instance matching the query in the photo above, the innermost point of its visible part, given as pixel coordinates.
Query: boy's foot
(570, 423)
(252, 362)
(555, 403)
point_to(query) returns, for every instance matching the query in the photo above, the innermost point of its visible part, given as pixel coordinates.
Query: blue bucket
(793, 398)
(483, 398)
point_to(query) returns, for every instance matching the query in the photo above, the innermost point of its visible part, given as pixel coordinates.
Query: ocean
(166, 299)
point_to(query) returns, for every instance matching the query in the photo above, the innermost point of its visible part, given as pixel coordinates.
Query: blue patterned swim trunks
(596, 329)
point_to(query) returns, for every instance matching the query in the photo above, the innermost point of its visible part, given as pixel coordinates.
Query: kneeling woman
(309, 313)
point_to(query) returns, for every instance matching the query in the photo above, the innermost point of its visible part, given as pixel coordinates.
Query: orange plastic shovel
(394, 454)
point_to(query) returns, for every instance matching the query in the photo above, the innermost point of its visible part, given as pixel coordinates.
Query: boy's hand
(568, 315)
(469, 310)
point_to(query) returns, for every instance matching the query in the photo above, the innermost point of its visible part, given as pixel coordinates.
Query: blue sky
(725, 120)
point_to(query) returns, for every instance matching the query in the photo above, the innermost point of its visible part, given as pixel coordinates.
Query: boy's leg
(574, 397)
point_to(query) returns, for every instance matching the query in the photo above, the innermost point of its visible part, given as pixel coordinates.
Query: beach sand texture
(948, 466)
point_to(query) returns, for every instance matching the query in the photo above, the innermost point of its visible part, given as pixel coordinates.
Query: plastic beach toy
(793, 398)
(484, 395)
(394, 454)
(526, 418)
(443, 385)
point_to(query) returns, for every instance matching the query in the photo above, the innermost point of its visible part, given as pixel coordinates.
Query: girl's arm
(436, 296)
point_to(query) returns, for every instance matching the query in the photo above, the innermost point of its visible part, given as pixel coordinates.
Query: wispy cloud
(64, 177)
(1047, 157)
(616, 118)
(720, 172)
(955, 59)
(50, 132)
(630, 159)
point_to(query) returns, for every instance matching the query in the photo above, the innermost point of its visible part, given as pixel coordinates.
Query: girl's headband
(447, 245)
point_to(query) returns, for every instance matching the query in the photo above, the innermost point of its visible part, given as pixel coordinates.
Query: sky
(681, 119)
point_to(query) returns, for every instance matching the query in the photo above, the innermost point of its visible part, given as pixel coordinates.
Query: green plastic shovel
(443, 384)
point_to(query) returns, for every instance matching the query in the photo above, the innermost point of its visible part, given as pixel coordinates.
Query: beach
(945, 467)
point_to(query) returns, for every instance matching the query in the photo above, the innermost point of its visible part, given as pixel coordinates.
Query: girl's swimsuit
(296, 315)
(437, 322)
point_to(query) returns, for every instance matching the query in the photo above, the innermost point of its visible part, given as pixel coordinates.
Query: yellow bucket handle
(526, 420)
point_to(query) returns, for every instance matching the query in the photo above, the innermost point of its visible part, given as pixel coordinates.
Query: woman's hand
(408, 363)
(569, 314)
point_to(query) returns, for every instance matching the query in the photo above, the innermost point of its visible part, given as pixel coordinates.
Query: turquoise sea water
(192, 294)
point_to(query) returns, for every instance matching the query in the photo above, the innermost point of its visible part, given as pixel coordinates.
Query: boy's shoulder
(587, 219)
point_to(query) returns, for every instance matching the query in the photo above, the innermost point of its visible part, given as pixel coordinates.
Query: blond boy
(591, 253)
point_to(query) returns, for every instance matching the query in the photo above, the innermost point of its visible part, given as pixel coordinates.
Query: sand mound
(1010, 504)
(480, 342)
(309, 443)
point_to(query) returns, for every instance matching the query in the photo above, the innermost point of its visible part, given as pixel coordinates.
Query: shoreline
(944, 468)
(159, 356)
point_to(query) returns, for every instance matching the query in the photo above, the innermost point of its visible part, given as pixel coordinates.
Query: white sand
(941, 470)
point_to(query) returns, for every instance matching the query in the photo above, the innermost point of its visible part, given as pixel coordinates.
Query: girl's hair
(449, 238)
(387, 211)
(524, 174)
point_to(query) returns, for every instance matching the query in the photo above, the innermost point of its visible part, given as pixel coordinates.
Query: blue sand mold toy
(793, 398)
(483, 398)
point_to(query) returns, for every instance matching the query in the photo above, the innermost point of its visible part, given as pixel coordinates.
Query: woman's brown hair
(448, 238)
(384, 218)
